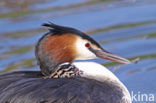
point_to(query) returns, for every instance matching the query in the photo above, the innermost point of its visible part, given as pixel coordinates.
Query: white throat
(96, 71)
(100, 73)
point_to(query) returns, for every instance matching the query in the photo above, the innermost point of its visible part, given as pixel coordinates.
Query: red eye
(87, 45)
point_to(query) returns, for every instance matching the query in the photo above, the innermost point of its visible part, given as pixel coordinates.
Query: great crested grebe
(61, 80)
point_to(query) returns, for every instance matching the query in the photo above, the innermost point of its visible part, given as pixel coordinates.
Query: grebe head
(64, 44)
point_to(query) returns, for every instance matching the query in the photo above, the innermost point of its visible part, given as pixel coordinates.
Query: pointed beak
(109, 56)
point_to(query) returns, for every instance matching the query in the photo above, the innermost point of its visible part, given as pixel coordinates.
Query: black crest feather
(58, 30)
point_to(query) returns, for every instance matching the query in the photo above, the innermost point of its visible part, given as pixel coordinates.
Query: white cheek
(82, 52)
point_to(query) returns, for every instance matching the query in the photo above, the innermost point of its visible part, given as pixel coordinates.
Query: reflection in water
(18, 5)
(50, 5)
